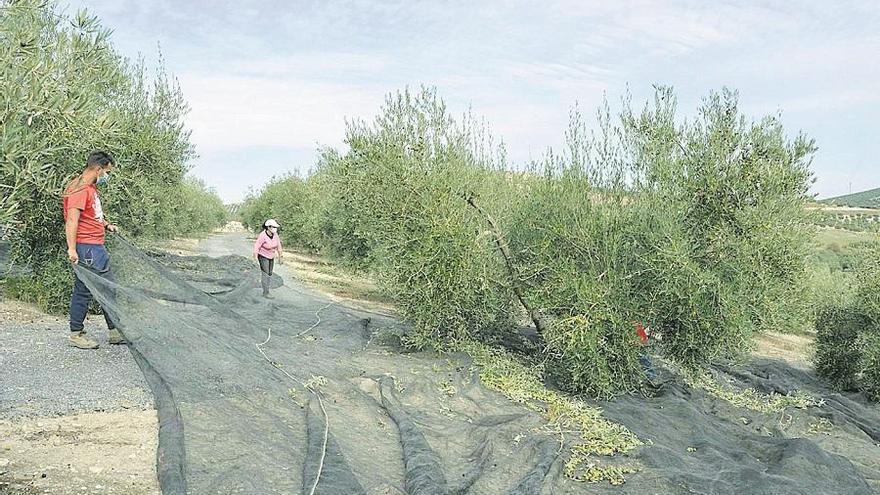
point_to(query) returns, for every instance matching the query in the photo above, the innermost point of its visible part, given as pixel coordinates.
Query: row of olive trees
(695, 228)
(287, 200)
(848, 332)
(64, 91)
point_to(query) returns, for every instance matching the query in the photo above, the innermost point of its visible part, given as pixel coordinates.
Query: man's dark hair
(99, 159)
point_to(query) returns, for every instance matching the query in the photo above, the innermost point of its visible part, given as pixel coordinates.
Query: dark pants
(650, 372)
(266, 266)
(95, 258)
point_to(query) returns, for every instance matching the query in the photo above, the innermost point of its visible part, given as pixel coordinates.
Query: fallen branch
(508, 262)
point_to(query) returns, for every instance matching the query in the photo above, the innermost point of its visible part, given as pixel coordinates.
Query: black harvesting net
(302, 394)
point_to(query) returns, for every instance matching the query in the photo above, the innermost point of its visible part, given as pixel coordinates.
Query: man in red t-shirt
(84, 226)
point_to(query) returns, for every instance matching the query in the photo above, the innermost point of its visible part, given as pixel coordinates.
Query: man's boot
(80, 341)
(116, 337)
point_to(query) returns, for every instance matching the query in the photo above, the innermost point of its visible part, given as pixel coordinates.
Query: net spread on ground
(304, 394)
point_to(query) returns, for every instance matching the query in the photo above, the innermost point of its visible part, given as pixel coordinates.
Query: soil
(795, 349)
(18, 312)
(83, 453)
(109, 452)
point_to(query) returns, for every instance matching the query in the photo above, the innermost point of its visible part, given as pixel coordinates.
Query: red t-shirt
(91, 217)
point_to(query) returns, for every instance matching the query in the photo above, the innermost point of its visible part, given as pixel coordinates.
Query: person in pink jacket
(267, 247)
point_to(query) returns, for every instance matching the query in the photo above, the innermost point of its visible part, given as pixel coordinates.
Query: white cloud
(314, 65)
(664, 29)
(240, 111)
(840, 56)
(560, 75)
(831, 101)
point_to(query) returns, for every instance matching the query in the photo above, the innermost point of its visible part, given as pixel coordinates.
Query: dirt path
(107, 452)
(795, 349)
(313, 271)
(71, 421)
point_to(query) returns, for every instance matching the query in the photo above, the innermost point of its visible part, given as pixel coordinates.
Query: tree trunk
(508, 262)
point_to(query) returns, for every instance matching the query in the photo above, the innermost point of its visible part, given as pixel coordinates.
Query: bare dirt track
(107, 452)
(71, 421)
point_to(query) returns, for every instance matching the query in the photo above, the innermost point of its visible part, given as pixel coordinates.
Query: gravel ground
(44, 376)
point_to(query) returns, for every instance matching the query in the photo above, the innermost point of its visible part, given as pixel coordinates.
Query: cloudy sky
(270, 81)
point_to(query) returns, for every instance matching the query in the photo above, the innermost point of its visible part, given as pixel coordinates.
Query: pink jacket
(266, 246)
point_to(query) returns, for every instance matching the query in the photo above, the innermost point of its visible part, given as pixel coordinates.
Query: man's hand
(73, 256)
(112, 228)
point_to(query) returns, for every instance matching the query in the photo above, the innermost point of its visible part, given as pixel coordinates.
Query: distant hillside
(864, 199)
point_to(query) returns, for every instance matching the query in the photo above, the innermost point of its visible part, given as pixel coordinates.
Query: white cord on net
(318, 316)
(313, 392)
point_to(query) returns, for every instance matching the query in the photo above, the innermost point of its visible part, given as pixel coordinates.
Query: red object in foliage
(641, 332)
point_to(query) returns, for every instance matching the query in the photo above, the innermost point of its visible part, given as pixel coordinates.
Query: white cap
(270, 223)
